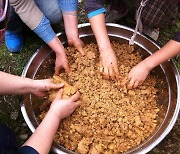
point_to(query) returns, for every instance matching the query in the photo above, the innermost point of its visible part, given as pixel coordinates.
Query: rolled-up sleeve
(44, 30)
(68, 5)
(94, 7)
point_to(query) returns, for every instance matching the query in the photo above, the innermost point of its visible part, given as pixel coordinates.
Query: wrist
(74, 13)
(54, 116)
(29, 85)
(56, 45)
(72, 39)
(72, 34)
(148, 63)
(105, 49)
(104, 45)
(32, 86)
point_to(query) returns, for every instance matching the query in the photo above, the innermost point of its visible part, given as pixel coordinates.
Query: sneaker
(115, 13)
(14, 41)
(153, 33)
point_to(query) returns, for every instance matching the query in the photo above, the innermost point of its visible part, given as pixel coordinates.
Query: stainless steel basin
(168, 95)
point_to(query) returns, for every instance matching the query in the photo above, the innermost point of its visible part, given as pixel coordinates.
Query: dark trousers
(8, 142)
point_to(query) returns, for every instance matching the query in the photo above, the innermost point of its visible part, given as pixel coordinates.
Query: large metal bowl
(168, 95)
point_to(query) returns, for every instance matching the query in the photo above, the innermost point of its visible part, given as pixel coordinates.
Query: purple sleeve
(93, 5)
(27, 150)
(177, 37)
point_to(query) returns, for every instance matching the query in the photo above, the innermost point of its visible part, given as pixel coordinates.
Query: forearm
(70, 24)
(42, 138)
(95, 11)
(11, 84)
(69, 11)
(56, 45)
(171, 49)
(100, 31)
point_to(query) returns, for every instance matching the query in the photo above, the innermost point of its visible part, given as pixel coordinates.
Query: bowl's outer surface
(169, 94)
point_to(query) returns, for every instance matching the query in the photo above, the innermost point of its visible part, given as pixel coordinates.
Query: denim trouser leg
(15, 24)
(51, 10)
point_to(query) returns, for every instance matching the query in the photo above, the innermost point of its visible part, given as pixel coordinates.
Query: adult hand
(108, 64)
(78, 44)
(40, 87)
(64, 107)
(137, 75)
(61, 62)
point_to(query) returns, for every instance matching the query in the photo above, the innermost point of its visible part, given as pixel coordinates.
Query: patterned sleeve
(68, 5)
(177, 37)
(94, 7)
(44, 30)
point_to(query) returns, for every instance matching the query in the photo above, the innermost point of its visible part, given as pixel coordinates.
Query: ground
(10, 113)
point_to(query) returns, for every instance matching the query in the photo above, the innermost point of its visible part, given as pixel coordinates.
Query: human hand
(108, 64)
(61, 61)
(64, 107)
(40, 87)
(137, 75)
(78, 44)
(71, 29)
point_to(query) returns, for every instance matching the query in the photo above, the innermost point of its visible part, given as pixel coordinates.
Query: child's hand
(137, 75)
(64, 107)
(61, 62)
(40, 87)
(78, 44)
(108, 64)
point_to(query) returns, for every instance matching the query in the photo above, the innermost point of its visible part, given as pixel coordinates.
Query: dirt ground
(10, 113)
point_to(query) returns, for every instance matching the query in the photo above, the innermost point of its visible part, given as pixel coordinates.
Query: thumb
(116, 72)
(70, 42)
(59, 95)
(75, 96)
(56, 86)
(80, 49)
(131, 84)
(125, 80)
(76, 104)
(57, 70)
(100, 67)
(66, 67)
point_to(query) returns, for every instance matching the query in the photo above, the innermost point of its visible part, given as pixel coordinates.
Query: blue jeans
(50, 9)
